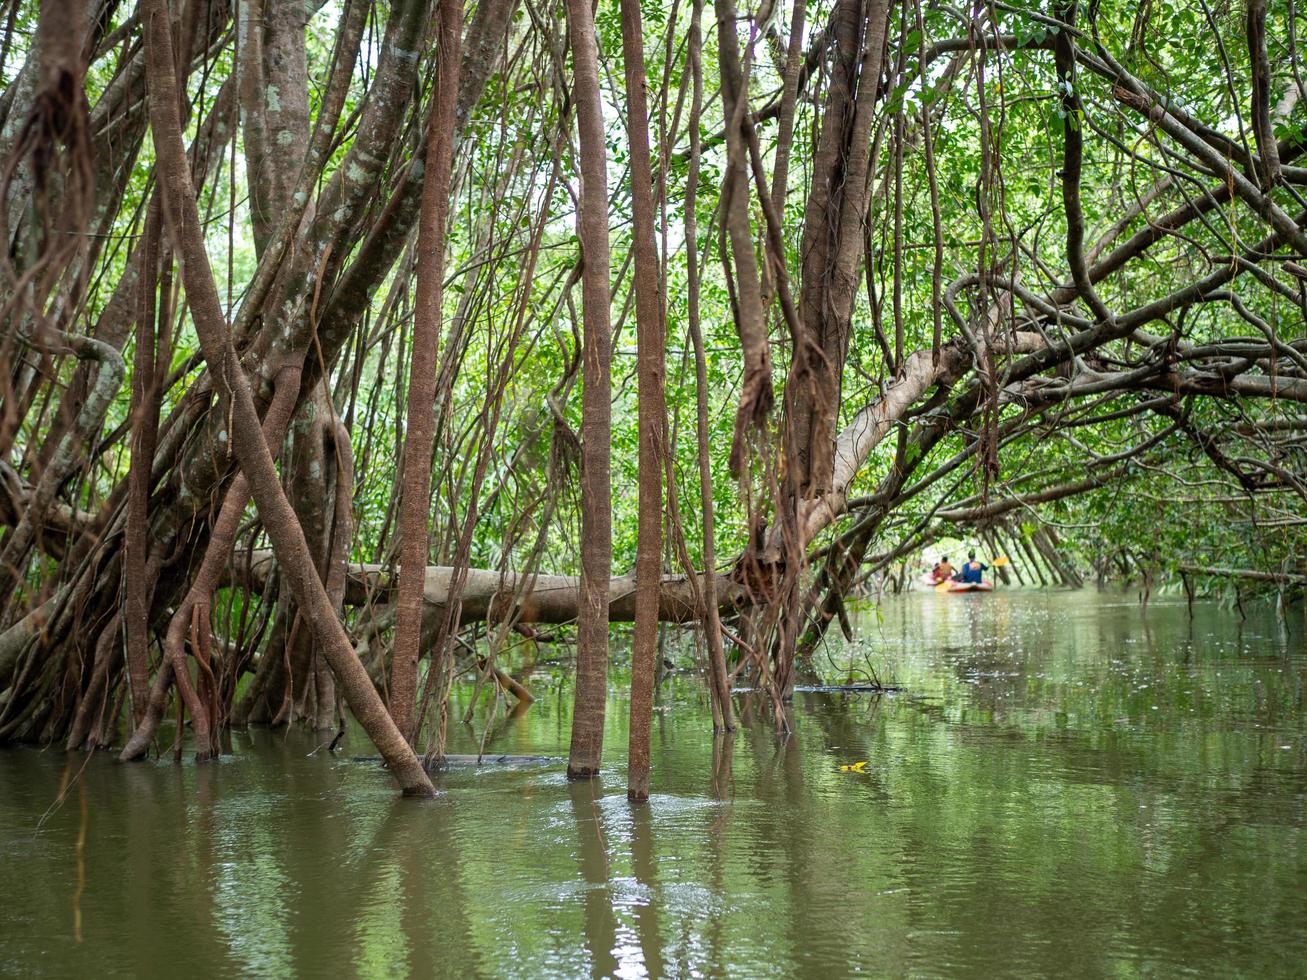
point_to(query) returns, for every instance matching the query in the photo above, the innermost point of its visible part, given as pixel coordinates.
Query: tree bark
(416, 493)
(145, 432)
(1263, 127)
(724, 715)
(651, 368)
(274, 101)
(756, 394)
(487, 593)
(596, 406)
(832, 240)
(789, 95)
(1279, 578)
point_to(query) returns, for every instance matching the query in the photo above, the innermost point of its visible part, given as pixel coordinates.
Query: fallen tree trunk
(486, 595)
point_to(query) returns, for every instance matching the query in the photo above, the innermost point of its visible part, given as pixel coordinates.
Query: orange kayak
(929, 580)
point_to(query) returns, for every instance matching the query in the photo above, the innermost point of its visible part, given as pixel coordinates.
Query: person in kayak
(972, 571)
(943, 571)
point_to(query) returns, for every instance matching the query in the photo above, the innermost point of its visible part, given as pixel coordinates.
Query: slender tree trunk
(1065, 566)
(1045, 550)
(756, 393)
(1037, 562)
(1016, 565)
(724, 715)
(651, 368)
(145, 431)
(416, 494)
(596, 404)
(342, 533)
(789, 93)
(995, 550)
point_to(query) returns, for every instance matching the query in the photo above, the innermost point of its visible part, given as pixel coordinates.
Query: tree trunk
(418, 446)
(723, 713)
(1024, 541)
(991, 542)
(147, 374)
(834, 219)
(1015, 566)
(198, 595)
(756, 394)
(596, 405)
(485, 592)
(651, 337)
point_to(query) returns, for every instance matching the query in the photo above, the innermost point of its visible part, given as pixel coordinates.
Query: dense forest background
(801, 290)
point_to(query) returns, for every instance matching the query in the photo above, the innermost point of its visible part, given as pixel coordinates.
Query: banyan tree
(352, 348)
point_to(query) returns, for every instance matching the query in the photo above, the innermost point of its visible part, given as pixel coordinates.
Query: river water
(1066, 785)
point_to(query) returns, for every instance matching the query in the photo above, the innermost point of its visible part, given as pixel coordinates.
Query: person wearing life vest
(971, 572)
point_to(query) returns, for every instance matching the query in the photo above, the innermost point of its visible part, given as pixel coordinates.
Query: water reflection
(722, 786)
(1066, 784)
(592, 866)
(643, 864)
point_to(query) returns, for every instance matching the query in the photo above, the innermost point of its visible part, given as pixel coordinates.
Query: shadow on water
(1069, 785)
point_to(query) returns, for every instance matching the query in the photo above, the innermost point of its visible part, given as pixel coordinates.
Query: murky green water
(1069, 787)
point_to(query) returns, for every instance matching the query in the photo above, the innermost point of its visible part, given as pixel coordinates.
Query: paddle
(998, 562)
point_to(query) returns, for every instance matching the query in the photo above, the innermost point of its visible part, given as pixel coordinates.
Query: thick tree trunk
(832, 240)
(274, 97)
